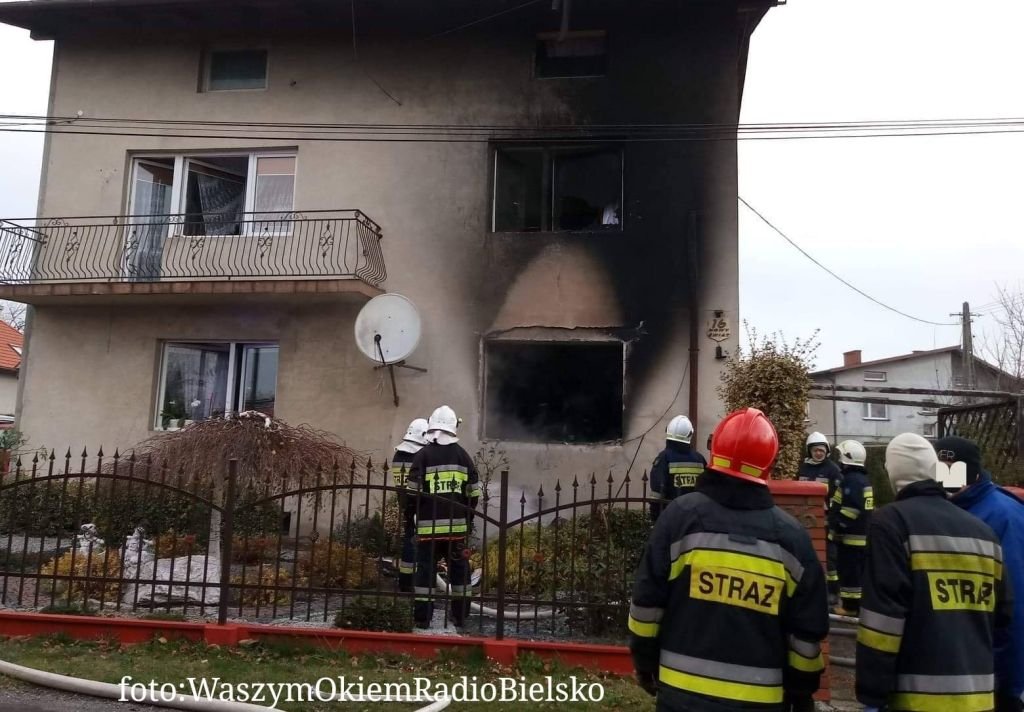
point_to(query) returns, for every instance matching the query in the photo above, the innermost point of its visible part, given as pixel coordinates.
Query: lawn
(176, 661)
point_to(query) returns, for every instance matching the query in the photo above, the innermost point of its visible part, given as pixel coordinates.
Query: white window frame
(179, 186)
(934, 427)
(883, 379)
(236, 359)
(208, 66)
(867, 411)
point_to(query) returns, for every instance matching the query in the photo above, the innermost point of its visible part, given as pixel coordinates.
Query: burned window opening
(555, 188)
(554, 392)
(578, 54)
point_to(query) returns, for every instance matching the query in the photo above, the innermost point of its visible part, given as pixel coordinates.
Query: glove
(648, 681)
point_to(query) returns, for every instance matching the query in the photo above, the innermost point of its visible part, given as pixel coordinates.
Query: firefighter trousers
(850, 560)
(831, 564)
(407, 564)
(428, 553)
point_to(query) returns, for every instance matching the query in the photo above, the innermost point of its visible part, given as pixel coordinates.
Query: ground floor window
(202, 380)
(542, 391)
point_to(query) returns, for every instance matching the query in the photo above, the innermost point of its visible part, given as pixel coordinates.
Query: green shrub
(880, 485)
(378, 613)
(370, 534)
(595, 563)
(334, 565)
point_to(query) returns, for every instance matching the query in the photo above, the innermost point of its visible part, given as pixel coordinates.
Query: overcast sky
(919, 223)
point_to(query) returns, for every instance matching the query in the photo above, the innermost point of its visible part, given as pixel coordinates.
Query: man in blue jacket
(1004, 513)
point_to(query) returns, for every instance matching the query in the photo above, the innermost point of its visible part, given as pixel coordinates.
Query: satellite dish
(388, 329)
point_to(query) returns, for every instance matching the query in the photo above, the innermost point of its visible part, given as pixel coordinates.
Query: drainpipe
(691, 261)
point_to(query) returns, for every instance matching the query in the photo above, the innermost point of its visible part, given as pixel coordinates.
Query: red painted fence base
(606, 658)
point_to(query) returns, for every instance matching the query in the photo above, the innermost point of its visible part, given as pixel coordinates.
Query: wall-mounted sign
(718, 329)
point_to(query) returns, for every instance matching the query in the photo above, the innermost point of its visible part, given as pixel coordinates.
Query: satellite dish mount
(387, 331)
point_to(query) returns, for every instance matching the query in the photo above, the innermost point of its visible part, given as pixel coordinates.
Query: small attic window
(578, 54)
(17, 350)
(227, 70)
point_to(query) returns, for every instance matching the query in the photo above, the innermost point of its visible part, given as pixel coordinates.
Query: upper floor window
(235, 69)
(214, 191)
(875, 376)
(578, 54)
(549, 188)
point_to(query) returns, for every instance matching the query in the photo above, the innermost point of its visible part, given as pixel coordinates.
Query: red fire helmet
(744, 445)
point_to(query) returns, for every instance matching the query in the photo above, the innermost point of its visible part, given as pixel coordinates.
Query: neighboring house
(10, 363)
(938, 369)
(557, 261)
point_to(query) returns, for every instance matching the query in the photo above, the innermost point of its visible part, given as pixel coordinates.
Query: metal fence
(324, 244)
(117, 536)
(997, 428)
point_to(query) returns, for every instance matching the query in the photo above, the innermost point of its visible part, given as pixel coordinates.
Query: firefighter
(817, 467)
(934, 595)
(729, 604)
(1005, 514)
(448, 488)
(415, 438)
(677, 467)
(848, 518)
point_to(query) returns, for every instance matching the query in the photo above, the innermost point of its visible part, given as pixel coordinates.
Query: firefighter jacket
(826, 472)
(1005, 514)
(401, 464)
(729, 604)
(447, 486)
(934, 593)
(674, 473)
(850, 508)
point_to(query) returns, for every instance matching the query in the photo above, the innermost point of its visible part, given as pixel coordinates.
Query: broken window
(578, 54)
(554, 392)
(544, 188)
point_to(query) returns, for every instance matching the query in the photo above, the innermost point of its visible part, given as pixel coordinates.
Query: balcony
(241, 256)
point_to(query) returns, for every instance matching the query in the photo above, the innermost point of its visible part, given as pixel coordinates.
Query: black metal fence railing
(325, 244)
(997, 428)
(130, 537)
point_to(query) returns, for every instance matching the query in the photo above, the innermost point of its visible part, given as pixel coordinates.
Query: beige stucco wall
(91, 379)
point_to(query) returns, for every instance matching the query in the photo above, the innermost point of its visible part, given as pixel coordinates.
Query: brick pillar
(805, 501)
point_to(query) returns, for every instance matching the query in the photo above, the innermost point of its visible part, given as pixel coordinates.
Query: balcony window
(200, 381)
(236, 69)
(213, 191)
(550, 188)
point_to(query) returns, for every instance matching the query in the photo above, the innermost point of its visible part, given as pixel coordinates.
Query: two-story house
(935, 369)
(553, 185)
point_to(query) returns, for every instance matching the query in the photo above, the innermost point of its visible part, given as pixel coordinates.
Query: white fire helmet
(443, 426)
(415, 437)
(818, 439)
(852, 452)
(679, 429)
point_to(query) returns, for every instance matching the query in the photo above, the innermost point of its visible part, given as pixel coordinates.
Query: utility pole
(967, 340)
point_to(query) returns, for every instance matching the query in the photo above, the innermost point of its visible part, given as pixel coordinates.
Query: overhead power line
(859, 291)
(481, 133)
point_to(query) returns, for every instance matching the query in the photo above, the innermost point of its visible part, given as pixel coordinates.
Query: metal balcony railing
(322, 244)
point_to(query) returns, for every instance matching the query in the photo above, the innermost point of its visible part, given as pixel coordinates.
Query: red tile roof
(10, 338)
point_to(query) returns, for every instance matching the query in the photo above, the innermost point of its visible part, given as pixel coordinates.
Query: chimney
(851, 358)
